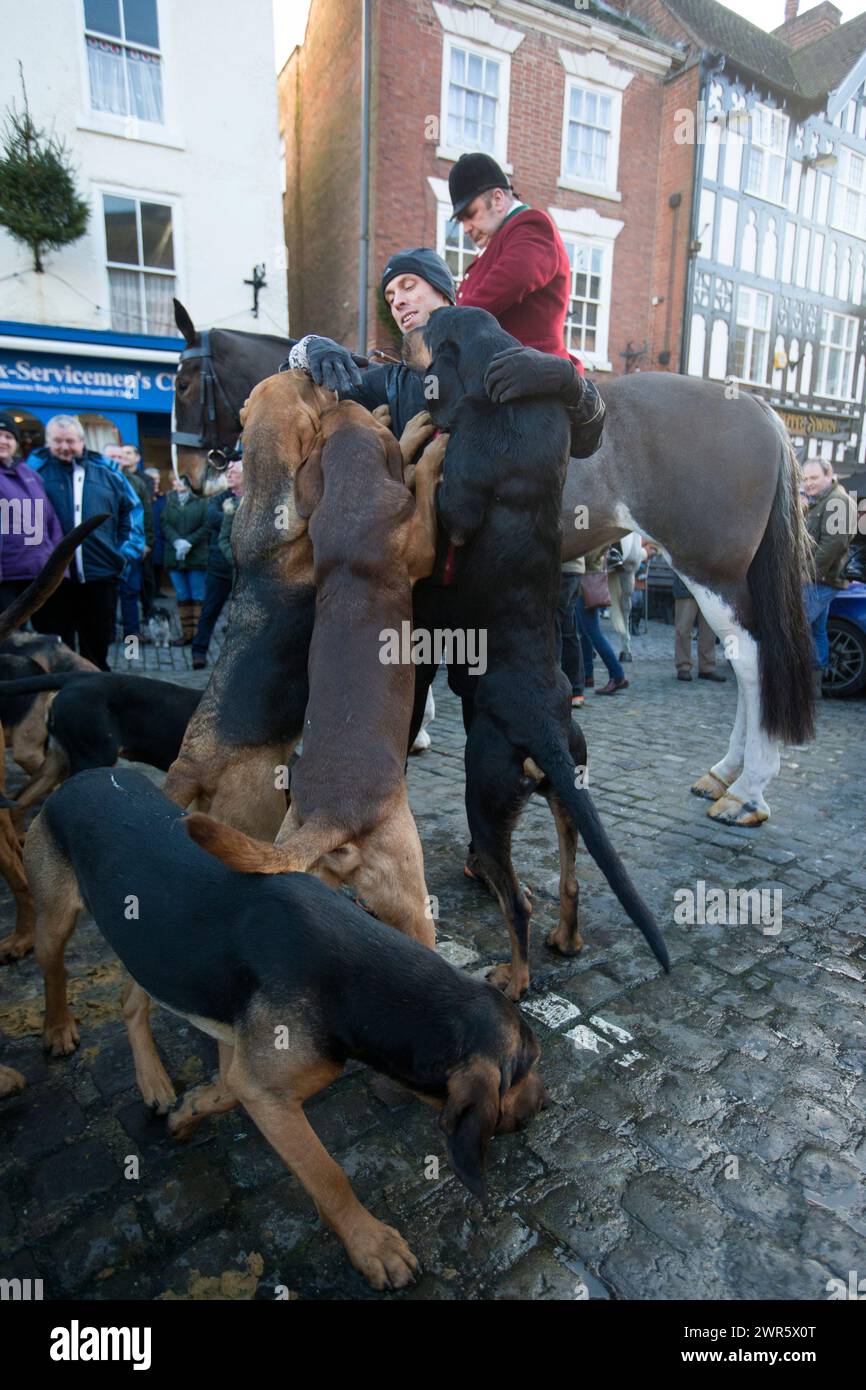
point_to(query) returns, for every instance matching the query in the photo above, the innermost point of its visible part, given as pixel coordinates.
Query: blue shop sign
(37, 378)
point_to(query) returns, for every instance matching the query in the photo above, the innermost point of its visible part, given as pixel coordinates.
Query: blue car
(846, 628)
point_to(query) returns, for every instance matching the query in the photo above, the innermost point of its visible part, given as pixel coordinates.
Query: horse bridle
(207, 439)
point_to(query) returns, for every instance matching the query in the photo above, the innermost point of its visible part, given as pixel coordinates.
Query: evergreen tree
(39, 202)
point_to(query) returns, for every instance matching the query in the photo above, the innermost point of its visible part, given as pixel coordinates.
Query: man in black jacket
(220, 574)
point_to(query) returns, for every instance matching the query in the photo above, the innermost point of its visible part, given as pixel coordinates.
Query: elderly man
(81, 483)
(827, 521)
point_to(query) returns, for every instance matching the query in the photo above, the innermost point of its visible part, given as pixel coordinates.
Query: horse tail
(781, 565)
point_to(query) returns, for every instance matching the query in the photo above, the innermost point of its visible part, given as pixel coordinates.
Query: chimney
(798, 31)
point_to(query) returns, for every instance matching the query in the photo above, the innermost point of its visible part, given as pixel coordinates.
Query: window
(591, 121)
(752, 335)
(589, 241)
(849, 205)
(836, 355)
(123, 58)
(476, 80)
(588, 135)
(473, 101)
(765, 165)
(585, 298)
(139, 243)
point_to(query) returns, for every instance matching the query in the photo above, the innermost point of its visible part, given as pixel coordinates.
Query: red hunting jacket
(523, 278)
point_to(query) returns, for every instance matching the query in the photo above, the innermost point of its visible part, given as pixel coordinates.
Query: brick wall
(670, 262)
(320, 118)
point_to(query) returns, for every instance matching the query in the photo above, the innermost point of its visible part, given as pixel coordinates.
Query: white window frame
(167, 132)
(586, 228)
(475, 31)
(771, 150)
(593, 72)
(841, 187)
(751, 329)
(138, 195)
(824, 344)
(443, 217)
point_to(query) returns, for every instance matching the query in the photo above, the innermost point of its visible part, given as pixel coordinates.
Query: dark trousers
(568, 648)
(130, 592)
(85, 611)
(217, 589)
(148, 587)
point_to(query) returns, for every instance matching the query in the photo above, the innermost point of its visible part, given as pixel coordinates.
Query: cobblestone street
(706, 1137)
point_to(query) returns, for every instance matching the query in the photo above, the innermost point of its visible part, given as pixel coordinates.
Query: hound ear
(309, 483)
(185, 324)
(469, 1121)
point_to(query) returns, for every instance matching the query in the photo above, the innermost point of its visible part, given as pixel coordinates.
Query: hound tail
(782, 563)
(30, 685)
(48, 578)
(556, 764)
(297, 856)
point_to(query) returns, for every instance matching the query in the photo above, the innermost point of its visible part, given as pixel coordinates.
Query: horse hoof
(710, 787)
(729, 810)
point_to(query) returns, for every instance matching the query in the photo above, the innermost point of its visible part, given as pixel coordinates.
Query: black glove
(331, 365)
(523, 371)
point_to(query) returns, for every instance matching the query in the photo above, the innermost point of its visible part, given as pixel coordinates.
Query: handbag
(595, 590)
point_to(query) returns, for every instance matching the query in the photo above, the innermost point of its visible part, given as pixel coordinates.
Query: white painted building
(169, 111)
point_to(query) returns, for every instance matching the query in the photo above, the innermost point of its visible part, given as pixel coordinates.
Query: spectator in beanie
(220, 569)
(229, 512)
(828, 515)
(184, 526)
(30, 527)
(81, 483)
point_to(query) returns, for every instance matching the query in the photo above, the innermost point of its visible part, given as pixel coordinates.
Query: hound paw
(157, 1091)
(503, 978)
(11, 1082)
(381, 1254)
(61, 1039)
(15, 947)
(564, 941)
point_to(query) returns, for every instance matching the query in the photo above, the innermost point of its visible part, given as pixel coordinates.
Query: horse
(620, 578)
(707, 474)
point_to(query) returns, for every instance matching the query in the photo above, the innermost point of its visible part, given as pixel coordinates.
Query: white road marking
(455, 953)
(552, 1010)
(629, 1058)
(615, 1032)
(587, 1041)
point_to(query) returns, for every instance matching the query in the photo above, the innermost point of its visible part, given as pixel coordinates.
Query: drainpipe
(364, 227)
(708, 60)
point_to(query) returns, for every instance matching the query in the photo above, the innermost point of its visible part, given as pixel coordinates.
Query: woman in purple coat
(29, 529)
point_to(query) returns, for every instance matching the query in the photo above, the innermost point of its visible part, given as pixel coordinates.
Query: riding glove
(331, 365)
(522, 371)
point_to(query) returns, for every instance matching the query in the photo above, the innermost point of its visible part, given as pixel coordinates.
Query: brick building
(568, 98)
(760, 253)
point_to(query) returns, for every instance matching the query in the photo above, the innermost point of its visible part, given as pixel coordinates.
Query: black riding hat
(471, 175)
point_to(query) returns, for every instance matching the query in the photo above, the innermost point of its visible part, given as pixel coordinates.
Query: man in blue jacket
(81, 483)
